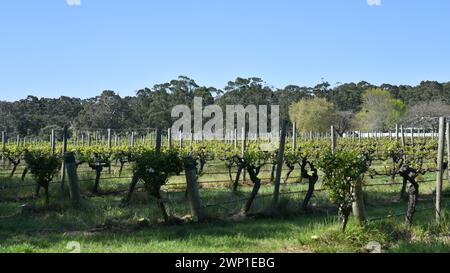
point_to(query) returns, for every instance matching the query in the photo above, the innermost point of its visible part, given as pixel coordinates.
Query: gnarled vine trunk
(133, 184)
(403, 190)
(253, 172)
(312, 180)
(291, 168)
(122, 163)
(24, 174)
(161, 205)
(15, 165)
(238, 176)
(344, 213)
(98, 173)
(37, 190)
(272, 172)
(409, 175)
(413, 197)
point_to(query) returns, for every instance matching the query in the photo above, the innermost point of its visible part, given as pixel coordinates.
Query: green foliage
(154, 168)
(342, 170)
(380, 111)
(43, 166)
(12, 153)
(151, 106)
(316, 115)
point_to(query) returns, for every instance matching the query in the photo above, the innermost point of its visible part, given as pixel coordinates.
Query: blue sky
(49, 48)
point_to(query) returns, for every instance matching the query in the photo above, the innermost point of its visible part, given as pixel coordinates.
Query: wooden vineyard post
(109, 139)
(169, 138)
(53, 141)
(3, 147)
(109, 148)
(333, 139)
(403, 136)
(192, 189)
(151, 138)
(440, 169)
(3, 140)
(64, 151)
(403, 142)
(89, 139)
(75, 196)
(294, 136)
(396, 133)
(132, 140)
(235, 138)
(243, 144)
(276, 192)
(18, 141)
(158, 139)
(448, 150)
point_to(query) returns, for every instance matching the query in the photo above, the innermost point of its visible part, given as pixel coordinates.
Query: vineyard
(308, 192)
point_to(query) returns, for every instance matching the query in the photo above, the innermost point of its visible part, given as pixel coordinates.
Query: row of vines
(341, 171)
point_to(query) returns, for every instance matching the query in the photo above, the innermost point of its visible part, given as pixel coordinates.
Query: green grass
(102, 224)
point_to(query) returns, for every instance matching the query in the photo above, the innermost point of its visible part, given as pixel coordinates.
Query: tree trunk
(98, 173)
(236, 181)
(312, 180)
(37, 190)
(24, 174)
(291, 169)
(256, 185)
(229, 173)
(202, 165)
(134, 181)
(272, 173)
(344, 213)
(13, 170)
(161, 206)
(47, 197)
(403, 190)
(311, 186)
(122, 163)
(413, 197)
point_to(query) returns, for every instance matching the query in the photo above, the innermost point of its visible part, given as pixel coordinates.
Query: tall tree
(315, 115)
(289, 95)
(380, 110)
(424, 114)
(108, 110)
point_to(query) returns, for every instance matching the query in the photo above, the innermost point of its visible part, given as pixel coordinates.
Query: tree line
(151, 107)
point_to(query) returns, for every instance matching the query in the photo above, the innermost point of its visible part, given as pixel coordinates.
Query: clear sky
(50, 48)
